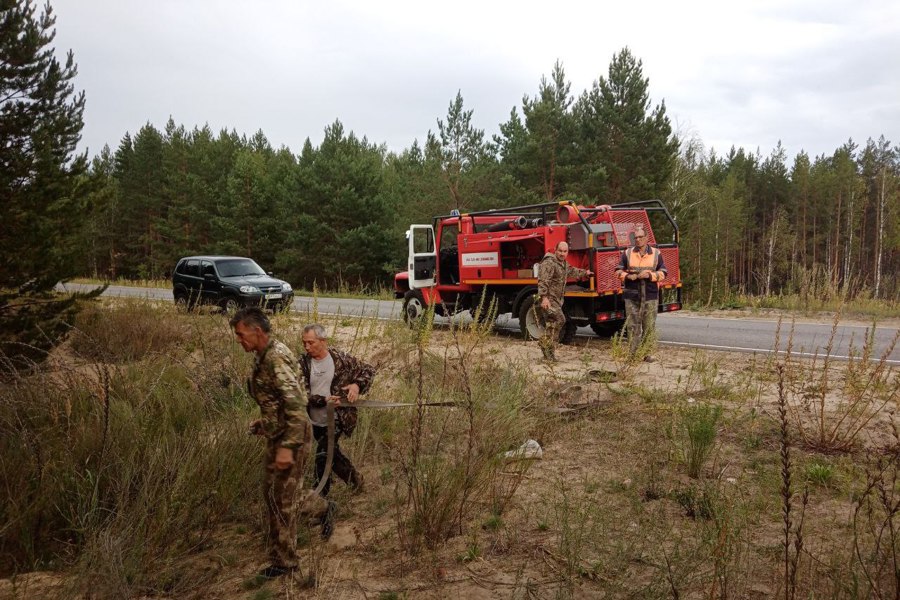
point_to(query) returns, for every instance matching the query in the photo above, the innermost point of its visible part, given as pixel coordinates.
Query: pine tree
(538, 152)
(40, 125)
(41, 204)
(626, 150)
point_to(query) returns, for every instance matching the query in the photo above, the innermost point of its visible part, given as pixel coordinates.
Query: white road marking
(772, 321)
(761, 350)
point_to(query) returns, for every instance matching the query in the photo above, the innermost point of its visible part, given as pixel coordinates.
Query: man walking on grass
(332, 376)
(640, 269)
(274, 384)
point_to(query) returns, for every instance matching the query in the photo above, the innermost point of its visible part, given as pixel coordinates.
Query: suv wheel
(181, 303)
(230, 305)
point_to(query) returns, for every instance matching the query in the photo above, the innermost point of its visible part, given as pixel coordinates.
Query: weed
(697, 502)
(830, 412)
(876, 524)
(819, 473)
(493, 523)
(451, 459)
(264, 594)
(696, 431)
(131, 332)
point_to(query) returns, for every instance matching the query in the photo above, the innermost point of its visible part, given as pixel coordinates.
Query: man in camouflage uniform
(334, 376)
(552, 276)
(274, 384)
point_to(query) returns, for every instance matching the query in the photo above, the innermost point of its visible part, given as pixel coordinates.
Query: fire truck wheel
(413, 307)
(529, 324)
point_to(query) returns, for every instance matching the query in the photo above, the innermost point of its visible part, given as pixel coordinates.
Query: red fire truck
(468, 261)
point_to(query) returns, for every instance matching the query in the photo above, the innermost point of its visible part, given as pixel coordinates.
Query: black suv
(228, 281)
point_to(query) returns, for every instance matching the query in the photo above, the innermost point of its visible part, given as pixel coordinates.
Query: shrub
(127, 332)
(115, 470)
(696, 426)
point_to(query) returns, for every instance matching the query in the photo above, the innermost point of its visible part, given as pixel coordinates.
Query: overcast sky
(810, 73)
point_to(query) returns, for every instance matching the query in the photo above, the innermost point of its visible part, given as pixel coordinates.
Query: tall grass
(832, 404)
(122, 473)
(452, 456)
(697, 429)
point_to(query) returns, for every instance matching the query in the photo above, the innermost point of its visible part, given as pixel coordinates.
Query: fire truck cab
(471, 261)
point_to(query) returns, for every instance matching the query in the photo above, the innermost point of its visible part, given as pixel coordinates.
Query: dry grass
(117, 498)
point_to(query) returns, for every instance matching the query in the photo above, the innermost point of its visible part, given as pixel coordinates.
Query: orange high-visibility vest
(634, 261)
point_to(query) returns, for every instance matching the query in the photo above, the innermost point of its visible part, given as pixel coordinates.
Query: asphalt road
(679, 329)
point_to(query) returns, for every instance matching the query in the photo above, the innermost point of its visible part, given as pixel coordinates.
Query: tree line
(336, 212)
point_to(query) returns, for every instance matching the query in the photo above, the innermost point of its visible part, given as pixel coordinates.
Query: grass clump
(129, 332)
(696, 430)
(109, 470)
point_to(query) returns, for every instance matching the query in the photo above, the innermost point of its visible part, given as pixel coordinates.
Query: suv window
(236, 267)
(192, 268)
(207, 268)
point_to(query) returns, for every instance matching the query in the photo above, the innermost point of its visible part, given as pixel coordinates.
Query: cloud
(811, 74)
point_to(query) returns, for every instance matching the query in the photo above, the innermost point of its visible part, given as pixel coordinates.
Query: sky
(811, 74)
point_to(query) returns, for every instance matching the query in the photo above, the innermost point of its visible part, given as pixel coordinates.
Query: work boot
(549, 354)
(274, 571)
(328, 521)
(355, 481)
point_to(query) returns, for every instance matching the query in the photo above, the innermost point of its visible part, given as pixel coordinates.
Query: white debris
(529, 450)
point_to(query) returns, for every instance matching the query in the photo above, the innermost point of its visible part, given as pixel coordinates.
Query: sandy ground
(600, 449)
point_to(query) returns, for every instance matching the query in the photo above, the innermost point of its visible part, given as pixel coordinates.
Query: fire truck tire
(413, 307)
(607, 329)
(532, 328)
(529, 325)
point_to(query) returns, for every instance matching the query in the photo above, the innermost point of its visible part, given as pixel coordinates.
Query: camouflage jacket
(552, 277)
(275, 386)
(347, 370)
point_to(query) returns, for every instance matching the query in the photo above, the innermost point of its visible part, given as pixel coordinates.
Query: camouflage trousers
(280, 489)
(640, 322)
(553, 321)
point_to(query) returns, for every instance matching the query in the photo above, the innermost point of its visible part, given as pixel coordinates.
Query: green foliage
(698, 502)
(627, 151)
(109, 469)
(40, 125)
(820, 473)
(696, 430)
(807, 232)
(42, 187)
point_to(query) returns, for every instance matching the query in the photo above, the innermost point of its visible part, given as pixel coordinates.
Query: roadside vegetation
(344, 289)
(126, 470)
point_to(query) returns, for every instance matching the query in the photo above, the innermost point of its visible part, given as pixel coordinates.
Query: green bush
(696, 426)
